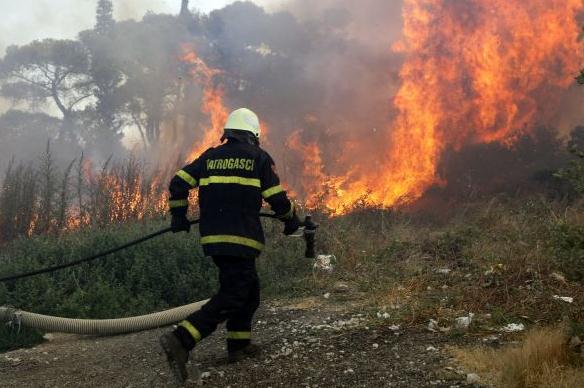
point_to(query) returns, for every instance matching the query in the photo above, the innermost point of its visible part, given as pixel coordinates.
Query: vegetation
(505, 257)
(42, 198)
(543, 359)
(500, 257)
(574, 172)
(130, 76)
(169, 271)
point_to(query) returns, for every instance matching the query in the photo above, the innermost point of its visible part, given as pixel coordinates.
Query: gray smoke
(323, 68)
(327, 68)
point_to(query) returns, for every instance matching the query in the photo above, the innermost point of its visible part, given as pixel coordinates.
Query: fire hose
(121, 325)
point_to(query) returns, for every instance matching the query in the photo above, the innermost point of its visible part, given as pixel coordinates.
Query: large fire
(475, 71)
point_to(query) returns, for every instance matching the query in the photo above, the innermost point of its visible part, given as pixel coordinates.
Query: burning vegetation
(352, 123)
(473, 72)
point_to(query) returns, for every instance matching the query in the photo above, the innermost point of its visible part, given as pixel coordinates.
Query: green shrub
(574, 172)
(567, 244)
(168, 271)
(450, 245)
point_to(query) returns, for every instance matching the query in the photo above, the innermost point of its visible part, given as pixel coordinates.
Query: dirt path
(308, 344)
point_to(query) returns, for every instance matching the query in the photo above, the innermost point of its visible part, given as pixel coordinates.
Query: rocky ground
(313, 342)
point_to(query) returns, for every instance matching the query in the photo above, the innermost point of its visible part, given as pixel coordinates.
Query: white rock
(575, 342)
(327, 295)
(394, 327)
(431, 349)
(205, 375)
(349, 371)
(375, 346)
(444, 271)
(491, 338)
(463, 323)
(472, 378)
(341, 287)
(567, 299)
(325, 263)
(513, 327)
(433, 325)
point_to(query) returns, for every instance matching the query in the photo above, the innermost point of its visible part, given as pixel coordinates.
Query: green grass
(390, 257)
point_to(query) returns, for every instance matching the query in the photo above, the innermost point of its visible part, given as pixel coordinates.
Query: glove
(180, 223)
(291, 225)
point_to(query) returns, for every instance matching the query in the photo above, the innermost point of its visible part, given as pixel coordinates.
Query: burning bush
(47, 199)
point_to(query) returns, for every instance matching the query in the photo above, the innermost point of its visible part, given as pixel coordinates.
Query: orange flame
(475, 72)
(312, 176)
(117, 194)
(212, 105)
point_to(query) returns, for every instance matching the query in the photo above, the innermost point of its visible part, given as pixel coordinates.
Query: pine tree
(184, 9)
(104, 17)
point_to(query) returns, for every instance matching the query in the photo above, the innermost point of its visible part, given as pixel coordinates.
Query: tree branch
(31, 81)
(55, 95)
(78, 100)
(140, 129)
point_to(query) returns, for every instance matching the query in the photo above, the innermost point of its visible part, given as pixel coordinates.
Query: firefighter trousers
(236, 302)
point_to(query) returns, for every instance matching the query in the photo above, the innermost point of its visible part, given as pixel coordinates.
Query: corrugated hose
(46, 323)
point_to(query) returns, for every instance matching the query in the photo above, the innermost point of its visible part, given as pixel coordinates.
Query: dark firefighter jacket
(232, 178)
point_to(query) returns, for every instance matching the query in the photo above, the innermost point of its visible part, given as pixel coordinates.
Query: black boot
(250, 351)
(176, 356)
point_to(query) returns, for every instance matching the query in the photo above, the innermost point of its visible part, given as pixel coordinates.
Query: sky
(26, 20)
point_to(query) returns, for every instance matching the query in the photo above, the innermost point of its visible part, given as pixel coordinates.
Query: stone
(341, 287)
(513, 327)
(472, 378)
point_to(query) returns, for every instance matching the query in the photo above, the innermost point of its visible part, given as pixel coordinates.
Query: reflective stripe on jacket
(233, 179)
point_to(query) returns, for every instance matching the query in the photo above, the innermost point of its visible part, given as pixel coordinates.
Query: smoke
(136, 9)
(471, 75)
(379, 98)
(374, 23)
(329, 72)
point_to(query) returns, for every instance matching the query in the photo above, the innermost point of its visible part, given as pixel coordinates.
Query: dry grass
(542, 359)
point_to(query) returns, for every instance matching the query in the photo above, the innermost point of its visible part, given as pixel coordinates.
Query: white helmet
(244, 120)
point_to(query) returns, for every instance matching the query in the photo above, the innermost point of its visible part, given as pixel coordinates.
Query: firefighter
(232, 179)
